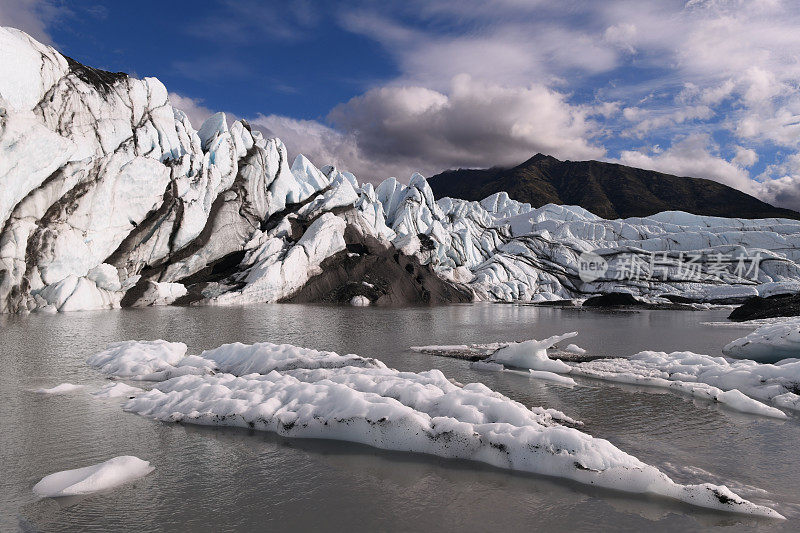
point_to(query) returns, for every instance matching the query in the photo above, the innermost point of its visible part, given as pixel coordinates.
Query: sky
(703, 88)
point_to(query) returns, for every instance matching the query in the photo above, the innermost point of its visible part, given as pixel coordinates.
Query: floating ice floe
(95, 478)
(740, 384)
(489, 366)
(64, 388)
(653, 369)
(552, 376)
(574, 348)
(769, 343)
(117, 390)
(737, 383)
(298, 392)
(532, 354)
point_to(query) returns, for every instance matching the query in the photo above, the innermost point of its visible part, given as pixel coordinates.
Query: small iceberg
(574, 348)
(769, 343)
(64, 388)
(303, 393)
(95, 478)
(532, 354)
(552, 376)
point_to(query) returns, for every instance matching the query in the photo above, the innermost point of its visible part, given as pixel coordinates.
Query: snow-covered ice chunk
(768, 343)
(264, 357)
(64, 388)
(148, 360)
(160, 293)
(738, 384)
(116, 390)
(552, 376)
(304, 393)
(360, 301)
(574, 348)
(95, 478)
(532, 354)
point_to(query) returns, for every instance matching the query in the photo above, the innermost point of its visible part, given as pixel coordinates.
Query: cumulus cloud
(785, 189)
(695, 156)
(490, 82)
(324, 145)
(745, 157)
(193, 107)
(698, 156)
(30, 16)
(783, 192)
(398, 130)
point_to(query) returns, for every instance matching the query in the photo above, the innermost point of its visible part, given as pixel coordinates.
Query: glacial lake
(218, 479)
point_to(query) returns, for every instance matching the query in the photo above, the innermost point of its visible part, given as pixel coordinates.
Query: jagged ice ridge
(110, 197)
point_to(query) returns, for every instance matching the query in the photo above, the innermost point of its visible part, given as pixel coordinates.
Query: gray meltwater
(216, 479)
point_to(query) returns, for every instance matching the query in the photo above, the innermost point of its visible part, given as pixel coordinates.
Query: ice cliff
(109, 197)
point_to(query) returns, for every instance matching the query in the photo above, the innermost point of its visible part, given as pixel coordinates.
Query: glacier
(304, 393)
(110, 198)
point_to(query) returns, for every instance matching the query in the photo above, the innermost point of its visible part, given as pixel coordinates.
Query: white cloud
(785, 189)
(622, 35)
(193, 107)
(472, 124)
(648, 120)
(398, 130)
(694, 156)
(783, 192)
(326, 146)
(745, 157)
(31, 16)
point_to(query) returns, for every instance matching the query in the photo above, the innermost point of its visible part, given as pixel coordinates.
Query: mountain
(110, 198)
(606, 189)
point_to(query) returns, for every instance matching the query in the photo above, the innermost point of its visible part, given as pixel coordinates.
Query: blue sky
(706, 88)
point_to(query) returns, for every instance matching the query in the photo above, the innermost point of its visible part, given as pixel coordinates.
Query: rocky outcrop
(614, 299)
(773, 306)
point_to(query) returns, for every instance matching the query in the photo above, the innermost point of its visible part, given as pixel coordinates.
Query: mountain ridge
(609, 190)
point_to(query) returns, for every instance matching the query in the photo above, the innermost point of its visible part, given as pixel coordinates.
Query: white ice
(705, 376)
(532, 354)
(64, 388)
(359, 301)
(769, 343)
(574, 348)
(552, 376)
(298, 392)
(148, 361)
(742, 385)
(104, 476)
(116, 390)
